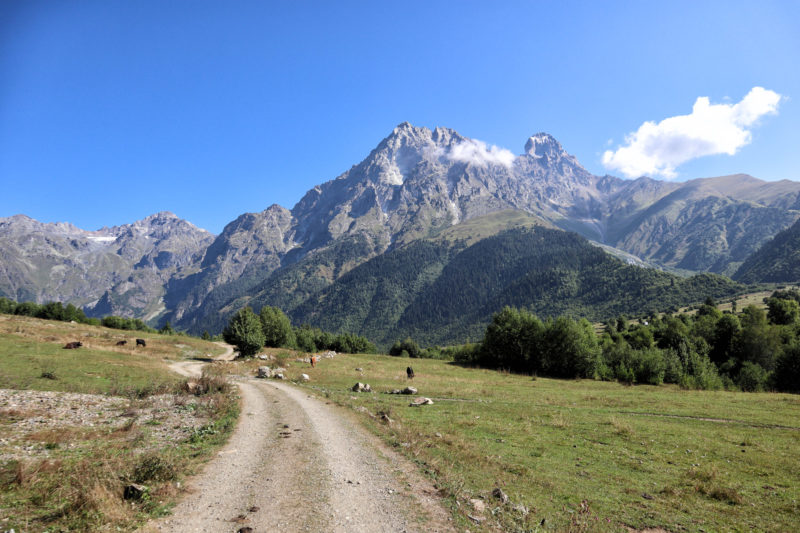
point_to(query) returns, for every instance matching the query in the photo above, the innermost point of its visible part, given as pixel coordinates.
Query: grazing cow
(410, 372)
(313, 361)
(122, 343)
(140, 342)
(72, 345)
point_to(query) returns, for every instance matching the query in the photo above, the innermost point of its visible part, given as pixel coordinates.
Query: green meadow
(582, 455)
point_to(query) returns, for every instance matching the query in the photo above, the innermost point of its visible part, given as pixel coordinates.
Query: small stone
(500, 495)
(409, 390)
(421, 401)
(359, 369)
(264, 372)
(304, 377)
(521, 509)
(135, 491)
(478, 505)
(361, 387)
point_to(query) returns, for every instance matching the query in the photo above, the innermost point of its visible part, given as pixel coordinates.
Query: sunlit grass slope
(583, 455)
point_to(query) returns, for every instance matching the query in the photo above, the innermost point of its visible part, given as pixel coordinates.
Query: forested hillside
(446, 292)
(778, 261)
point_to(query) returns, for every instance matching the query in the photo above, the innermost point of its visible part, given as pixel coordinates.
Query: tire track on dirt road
(295, 463)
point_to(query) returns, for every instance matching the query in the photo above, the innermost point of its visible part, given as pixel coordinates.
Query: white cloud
(478, 153)
(657, 149)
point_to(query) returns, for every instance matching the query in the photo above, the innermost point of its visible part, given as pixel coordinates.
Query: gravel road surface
(296, 463)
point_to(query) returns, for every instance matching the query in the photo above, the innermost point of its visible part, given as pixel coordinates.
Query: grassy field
(582, 455)
(72, 477)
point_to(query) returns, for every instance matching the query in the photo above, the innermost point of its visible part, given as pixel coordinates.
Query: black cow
(140, 342)
(410, 372)
(122, 343)
(72, 345)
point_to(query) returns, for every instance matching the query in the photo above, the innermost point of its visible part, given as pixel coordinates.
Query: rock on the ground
(134, 491)
(500, 495)
(421, 401)
(478, 505)
(304, 377)
(264, 372)
(362, 387)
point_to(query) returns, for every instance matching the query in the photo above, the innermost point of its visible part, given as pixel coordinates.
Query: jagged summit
(543, 145)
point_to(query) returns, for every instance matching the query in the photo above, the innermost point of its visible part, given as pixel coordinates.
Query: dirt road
(295, 463)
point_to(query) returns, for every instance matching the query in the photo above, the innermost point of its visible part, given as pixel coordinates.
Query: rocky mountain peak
(544, 145)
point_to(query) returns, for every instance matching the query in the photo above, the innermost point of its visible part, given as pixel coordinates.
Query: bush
(350, 343)
(244, 332)
(408, 346)
(649, 366)
(466, 354)
(304, 339)
(512, 341)
(276, 327)
(782, 312)
(752, 378)
(786, 377)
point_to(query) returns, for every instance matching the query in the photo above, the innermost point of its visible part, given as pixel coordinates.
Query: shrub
(407, 345)
(244, 332)
(786, 377)
(752, 378)
(276, 327)
(649, 366)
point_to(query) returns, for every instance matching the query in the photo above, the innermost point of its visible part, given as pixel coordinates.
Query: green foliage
(752, 377)
(776, 261)
(132, 324)
(167, 329)
(276, 327)
(304, 339)
(244, 332)
(787, 369)
(350, 343)
(445, 292)
(708, 351)
(783, 311)
(405, 348)
(513, 341)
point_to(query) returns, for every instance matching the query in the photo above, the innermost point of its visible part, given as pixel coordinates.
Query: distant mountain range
(416, 184)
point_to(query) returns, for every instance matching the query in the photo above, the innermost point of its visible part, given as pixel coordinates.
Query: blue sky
(111, 111)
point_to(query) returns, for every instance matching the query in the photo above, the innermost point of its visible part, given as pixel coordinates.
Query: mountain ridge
(414, 184)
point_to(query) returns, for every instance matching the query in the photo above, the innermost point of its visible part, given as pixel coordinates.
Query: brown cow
(313, 361)
(122, 343)
(72, 345)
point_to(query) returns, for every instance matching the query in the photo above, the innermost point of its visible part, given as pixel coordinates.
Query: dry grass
(79, 487)
(621, 427)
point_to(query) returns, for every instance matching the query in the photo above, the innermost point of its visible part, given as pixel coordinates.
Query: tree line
(753, 350)
(71, 313)
(251, 332)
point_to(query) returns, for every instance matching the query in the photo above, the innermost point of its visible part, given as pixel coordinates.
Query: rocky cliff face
(120, 270)
(415, 183)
